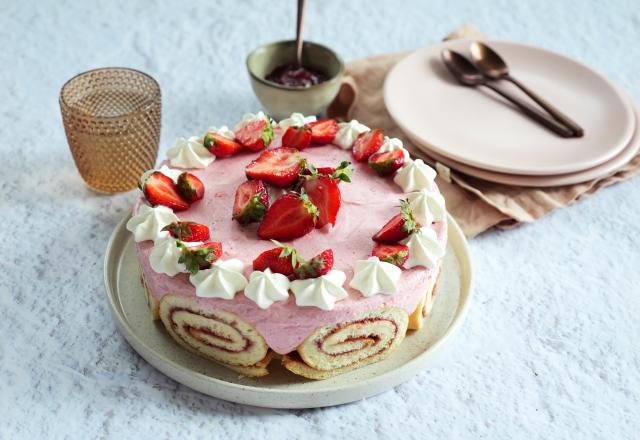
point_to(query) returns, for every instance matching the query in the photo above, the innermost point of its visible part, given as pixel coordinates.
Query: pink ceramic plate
(543, 181)
(477, 128)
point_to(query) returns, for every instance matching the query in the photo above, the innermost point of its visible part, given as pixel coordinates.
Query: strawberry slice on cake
(324, 193)
(367, 144)
(282, 259)
(159, 189)
(399, 227)
(251, 202)
(297, 137)
(323, 131)
(220, 146)
(278, 167)
(396, 254)
(200, 257)
(255, 135)
(190, 187)
(188, 231)
(291, 216)
(319, 265)
(386, 163)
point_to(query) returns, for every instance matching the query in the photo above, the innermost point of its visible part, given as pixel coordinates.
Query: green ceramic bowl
(280, 101)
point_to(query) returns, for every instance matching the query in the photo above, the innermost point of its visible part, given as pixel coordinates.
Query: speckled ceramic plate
(281, 389)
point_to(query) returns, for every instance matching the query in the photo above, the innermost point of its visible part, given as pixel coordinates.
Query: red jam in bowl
(293, 75)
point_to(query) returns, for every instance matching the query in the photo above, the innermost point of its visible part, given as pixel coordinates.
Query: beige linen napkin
(476, 204)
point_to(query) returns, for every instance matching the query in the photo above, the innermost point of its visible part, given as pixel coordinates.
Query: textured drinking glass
(112, 120)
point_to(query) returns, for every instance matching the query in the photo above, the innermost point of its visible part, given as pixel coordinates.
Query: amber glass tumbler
(112, 118)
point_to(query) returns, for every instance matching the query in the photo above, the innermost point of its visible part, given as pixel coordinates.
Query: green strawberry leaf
(396, 258)
(267, 133)
(343, 173)
(308, 204)
(289, 251)
(409, 224)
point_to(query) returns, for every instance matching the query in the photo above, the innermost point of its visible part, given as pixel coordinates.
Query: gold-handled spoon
(299, 24)
(493, 66)
(466, 73)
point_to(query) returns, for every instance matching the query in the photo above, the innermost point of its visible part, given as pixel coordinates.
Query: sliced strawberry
(325, 170)
(323, 131)
(160, 190)
(190, 187)
(251, 202)
(399, 227)
(220, 146)
(392, 232)
(297, 137)
(278, 167)
(367, 144)
(387, 163)
(256, 135)
(188, 231)
(324, 193)
(281, 259)
(319, 265)
(291, 216)
(200, 257)
(391, 253)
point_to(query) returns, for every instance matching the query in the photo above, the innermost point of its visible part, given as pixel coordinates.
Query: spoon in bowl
(493, 66)
(466, 73)
(299, 23)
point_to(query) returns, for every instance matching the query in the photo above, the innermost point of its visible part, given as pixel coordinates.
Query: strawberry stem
(409, 221)
(343, 173)
(196, 259)
(308, 204)
(289, 251)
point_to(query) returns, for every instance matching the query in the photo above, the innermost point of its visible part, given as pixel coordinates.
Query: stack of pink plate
(474, 131)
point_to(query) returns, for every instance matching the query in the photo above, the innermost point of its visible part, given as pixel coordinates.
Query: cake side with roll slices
(318, 241)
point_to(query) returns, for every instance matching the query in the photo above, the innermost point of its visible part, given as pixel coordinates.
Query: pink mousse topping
(368, 202)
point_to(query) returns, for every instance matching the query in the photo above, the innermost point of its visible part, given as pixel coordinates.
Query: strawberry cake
(312, 243)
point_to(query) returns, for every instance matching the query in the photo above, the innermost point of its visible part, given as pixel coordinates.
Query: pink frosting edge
(284, 325)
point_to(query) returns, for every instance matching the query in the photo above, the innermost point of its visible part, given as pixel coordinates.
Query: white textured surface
(550, 348)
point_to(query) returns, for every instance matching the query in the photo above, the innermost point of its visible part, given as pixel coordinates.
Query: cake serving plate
(281, 389)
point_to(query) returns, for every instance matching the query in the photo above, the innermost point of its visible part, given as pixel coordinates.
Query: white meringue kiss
(372, 276)
(222, 280)
(415, 175)
(296, 120)
(266, 287)
(348, 132)
(424, 249)
(427, 206)
(147, 224)
(165, 255)
(190, 153)
(321, 292)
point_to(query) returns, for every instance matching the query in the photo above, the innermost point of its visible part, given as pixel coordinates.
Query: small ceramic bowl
(280, 101)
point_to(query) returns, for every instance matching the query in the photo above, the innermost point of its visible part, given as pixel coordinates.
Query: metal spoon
(299, 23)
(466, 73)
(493, 66)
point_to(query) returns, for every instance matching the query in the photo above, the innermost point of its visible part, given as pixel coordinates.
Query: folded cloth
(477, 205)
